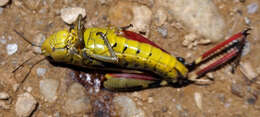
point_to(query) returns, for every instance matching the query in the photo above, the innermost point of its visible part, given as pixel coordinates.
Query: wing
(137, 37)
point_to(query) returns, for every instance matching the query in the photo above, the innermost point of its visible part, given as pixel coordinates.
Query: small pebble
(77, 100)
(204, 41)
(227, 105)
(252, 8)
(199, 16)
(247, 69)
(11, 48)
(160, 16)
(251, 100)
(3, 105)
(189, 39)
(184, 113)
(198, 100)
(2, 39)
(29, 89)
(127, 107)
(1, 10)
(70, 14)
(221, 97)
(4, 96)
(15, 87)
(150, 100)
(140, 21)
(40, 71)
(57, 114)
(25, 105)
(246, 48)
(48, 89)
(3, 2)
(247, 20)
(38, 40)
(124, 13)
(210, 75)
(163, 31)
(178, 107)
(237, 89)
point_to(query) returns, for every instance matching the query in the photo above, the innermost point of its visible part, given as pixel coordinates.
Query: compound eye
(180, 59)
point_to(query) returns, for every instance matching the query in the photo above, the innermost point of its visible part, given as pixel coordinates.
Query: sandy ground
(231, 95)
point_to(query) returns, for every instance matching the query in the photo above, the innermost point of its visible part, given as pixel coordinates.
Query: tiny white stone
(29, 89)
(3, 2)
(150, 100)
(15, 87)
(2, 40)
(198, 100)
(163, 31)
(247, 20)
(252, 8)
(70, 14)
(246, 49)
(37, 50)
(1, 10)
(40, 71)
(11, 48)
(4, 96)
(178, 107)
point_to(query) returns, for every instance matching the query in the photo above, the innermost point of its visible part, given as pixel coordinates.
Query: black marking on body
(124, 49)
(150, 54)
(138, 51)
(114, 45)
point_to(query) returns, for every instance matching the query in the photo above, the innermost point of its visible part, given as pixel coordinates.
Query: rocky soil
(184, 28)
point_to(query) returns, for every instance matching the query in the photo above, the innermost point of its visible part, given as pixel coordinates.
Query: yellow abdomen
(135, 55)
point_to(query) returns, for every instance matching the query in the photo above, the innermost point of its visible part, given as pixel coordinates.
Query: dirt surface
(231, 95)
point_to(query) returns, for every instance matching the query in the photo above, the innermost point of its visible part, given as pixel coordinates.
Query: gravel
(1, 10)
(127, 107)
(40, 71)
(4, 96)
(139, 15)
(3, 105)
(198, 100)
(160, 16)
(163, 31)
(247, 69)
(252, 8)
(48, 88)
(70, 14)
(25, 105)
(3, 2)
(238, 90)
(76, 100)
(11, 48)
(200, 16)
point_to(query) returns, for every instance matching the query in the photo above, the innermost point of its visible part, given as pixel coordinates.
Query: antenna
(26, 61)
(25, 39)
